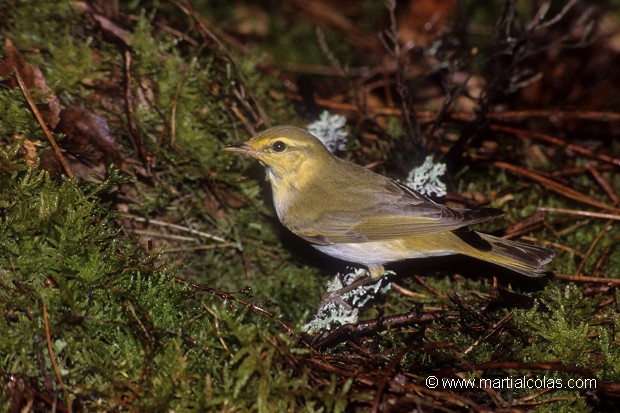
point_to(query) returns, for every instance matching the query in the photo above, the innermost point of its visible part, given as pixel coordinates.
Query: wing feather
(390, 212)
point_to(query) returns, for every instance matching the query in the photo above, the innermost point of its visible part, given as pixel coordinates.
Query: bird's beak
(244, 149)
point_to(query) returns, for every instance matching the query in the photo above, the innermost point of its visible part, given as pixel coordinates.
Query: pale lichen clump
(343, 308)
(426, 178)
(330, 130)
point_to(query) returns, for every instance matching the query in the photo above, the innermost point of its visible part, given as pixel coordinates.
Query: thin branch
(557, 17)
(556, 141)
(179, 227)
(494, 327)
(592, 245)
(585, 278)
(371, 327)
(393, 47)
(130, 112)
(517, 115)
(50, 349)
(576, 212)
(603, 183)
(228, 296)
(555, 186)
(46, 130)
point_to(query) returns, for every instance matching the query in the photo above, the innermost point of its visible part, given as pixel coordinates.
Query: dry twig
(589, 214)
(555, 186)
(50, 349)
(46, 131)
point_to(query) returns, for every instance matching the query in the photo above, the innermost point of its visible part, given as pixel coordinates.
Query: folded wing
(391, 211)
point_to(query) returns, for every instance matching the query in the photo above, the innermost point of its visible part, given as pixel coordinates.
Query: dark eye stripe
(278, 146)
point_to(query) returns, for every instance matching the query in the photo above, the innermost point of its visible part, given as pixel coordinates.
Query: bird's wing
(391, 212)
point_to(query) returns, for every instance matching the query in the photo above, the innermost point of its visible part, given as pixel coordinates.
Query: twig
(130, 112)
(592, 245)
(588, 279)
(362, 328)
(46, 130)
(217, 327)
(228, 296)
(549, 401)
(572, 228)
(160, 235)
(50, 349)
(406, 292)
(376, 403)
(496, 325)
(196, 248)
(601, 259)
(527, 224)
(553, 114)
(555, 186)
(179, 227)
(239, 92)
(589, 214)
(532, 396)
(580, 170)
(412, 123)
(428, 287)
(559, 16)
(329, 55)
(556, 141)
(519, 115)
(603, 183)
(315, 69)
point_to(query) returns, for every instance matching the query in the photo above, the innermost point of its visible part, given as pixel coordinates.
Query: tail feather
(523, 258)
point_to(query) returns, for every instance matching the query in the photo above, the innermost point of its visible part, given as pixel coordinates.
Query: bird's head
(287, 152)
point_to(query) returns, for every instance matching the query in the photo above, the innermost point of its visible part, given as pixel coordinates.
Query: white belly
(376, 253)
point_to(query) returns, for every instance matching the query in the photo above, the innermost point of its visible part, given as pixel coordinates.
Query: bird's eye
(278, 146)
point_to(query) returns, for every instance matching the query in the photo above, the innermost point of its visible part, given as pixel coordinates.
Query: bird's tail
(523, 258)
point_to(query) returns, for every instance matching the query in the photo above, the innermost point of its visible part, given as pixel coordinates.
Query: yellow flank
(356, 215)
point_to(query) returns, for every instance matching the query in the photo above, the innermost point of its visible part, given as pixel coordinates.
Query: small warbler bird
(357, 215)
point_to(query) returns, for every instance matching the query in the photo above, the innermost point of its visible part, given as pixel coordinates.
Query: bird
(354, 214)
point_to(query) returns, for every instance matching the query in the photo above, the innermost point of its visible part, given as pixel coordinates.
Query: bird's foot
(338, 295)
(346, 294)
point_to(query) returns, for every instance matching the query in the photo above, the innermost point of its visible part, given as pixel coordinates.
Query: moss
(64, 49)
(561, 330)
(122, 327)
(117, 316)
(15, 117)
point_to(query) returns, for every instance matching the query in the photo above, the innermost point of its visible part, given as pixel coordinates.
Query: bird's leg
(376, 271)
(374, 274)
(341, 305)
(337, 295)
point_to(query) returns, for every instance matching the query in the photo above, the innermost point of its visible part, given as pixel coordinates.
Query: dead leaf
(49, 106)
(49, 162)
(88, 136)
(107, 26)
(30, 151)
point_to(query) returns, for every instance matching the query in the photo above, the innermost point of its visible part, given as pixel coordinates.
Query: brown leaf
(88, 136)
(48, 161)
(34, 79)
(109, 27)
(29, 149)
